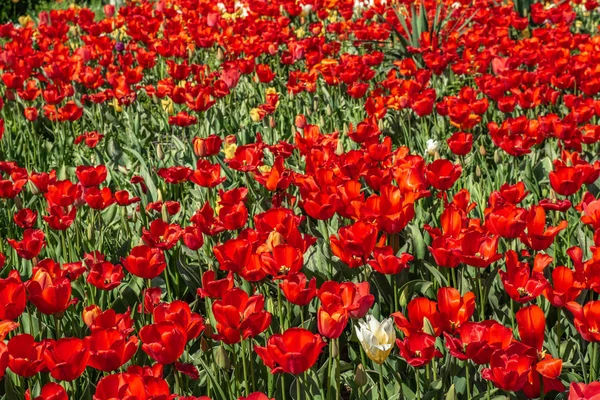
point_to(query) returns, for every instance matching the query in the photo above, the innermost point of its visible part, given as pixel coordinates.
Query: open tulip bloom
(376, 338)
(299, 199)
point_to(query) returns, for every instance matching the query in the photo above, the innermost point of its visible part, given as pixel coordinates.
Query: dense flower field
(301, 199)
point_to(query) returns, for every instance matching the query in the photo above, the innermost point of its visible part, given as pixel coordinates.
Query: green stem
(381, 385)
(247, 386)
(468, 379)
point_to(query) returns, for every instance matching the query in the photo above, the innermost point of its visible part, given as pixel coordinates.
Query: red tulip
(581, 391)
(460, 143)
(145, 262)
(293, 352)
(566, 180)
(538, 237)
(283, 260)
(162, 235)
(355, 243)
(418, 310)
(105, 275)
(50, 391)
(207, 147)
(387, 263)
(455, 309)
(564, 287)
(332, 319)
(25, 218)
(586, 319)
(49, 293)
(178, 311)
(478, 341)
(418, 349)
(509, 368)
(90, 176)
(31, 245)
(25, 355)
(507, 221)
(62, 193)
(124, 385)
(521, 282)
(296, 291)
(356, 298)
(12, 296)
(240, 316)
(215, 288)
(163, 341)
(66, 358)
(441, 174)
(110, 349)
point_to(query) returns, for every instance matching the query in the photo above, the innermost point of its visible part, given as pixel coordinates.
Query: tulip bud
(497, 157)
(163, 213)
(32, 188)
(360, 376)
(482, 150)
(159, 196)
(159, 152)
(272, 122)
(204, 344)
(18, 202)
(339, 150)
(427, 327)
(222, 359)
(300, 121)
(220, 54)
(209, 331)
(89, 233)
(478, 171)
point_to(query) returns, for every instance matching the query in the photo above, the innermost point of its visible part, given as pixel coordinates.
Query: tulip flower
(418, 349)
(50, 391)
(293, 352)
(12, 296)
(163, 341)
(581, 391)
(510, 367)
(110, 349)
(66, 358)
(377, 338)
(240, 316)
(145, 262)
(25, 355)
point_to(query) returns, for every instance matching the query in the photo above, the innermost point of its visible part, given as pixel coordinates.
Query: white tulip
(432, 147)
(377, 338)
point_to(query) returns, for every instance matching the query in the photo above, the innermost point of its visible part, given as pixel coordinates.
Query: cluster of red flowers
(276, 228)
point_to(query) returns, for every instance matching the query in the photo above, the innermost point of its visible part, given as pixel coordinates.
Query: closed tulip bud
(159, 197)
(482, 150)
(204, 344)
(478, 171)
(222, 359)
(360, 376)
(377, 338)
(497, 157)
(18, 202)
(272, 122)
(209, 331)
(33, 189)
(220, 54)
(160, 154)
